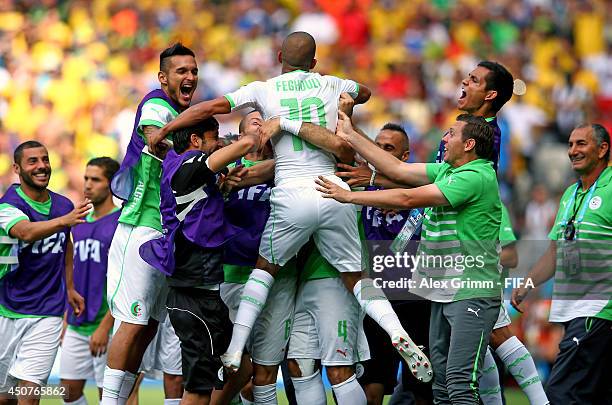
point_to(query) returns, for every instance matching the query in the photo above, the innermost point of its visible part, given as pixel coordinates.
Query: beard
(28, 179)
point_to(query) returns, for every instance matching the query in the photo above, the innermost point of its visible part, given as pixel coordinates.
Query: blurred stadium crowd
(72, 73)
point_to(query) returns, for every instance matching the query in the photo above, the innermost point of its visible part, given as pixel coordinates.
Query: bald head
(298, 50)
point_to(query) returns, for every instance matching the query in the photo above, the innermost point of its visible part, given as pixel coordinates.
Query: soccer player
(508, 347)
(298, 211)
(136, 291)
(462, 191)
(579, 258)
(380, 372)
(484, 92)
(35, 251)
(86, 337)
(191, 252)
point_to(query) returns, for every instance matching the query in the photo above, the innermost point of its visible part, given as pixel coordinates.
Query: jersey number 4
(306, 115)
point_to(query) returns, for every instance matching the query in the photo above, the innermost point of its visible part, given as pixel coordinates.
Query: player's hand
(518, 296)
(346, 104)
(76, 301)
(344, 128)
(77, 215)
(98, 342)
(269, 129)
(332, 190)
(155, 141)
(357, 176)
(233, 178)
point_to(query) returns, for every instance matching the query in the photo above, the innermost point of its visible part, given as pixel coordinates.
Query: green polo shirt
(587, 292)
(459, 242)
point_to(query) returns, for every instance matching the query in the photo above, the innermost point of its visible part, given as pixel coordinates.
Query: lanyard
(583, 206)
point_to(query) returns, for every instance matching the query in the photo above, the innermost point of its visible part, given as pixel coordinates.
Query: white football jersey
(297, 95)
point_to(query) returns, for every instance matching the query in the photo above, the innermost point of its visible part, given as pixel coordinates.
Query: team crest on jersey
(595, 202)
(136, 309)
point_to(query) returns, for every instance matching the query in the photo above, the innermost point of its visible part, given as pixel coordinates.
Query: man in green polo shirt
(580, 258)
(462, 228)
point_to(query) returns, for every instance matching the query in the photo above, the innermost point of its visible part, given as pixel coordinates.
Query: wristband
(290, 126)
(373, 177)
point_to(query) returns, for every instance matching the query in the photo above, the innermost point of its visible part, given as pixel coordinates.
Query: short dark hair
(601, 135)
(500, 80)
(243, 120)
(109, 166)
(478, 129)
(18, 153)
(391, 126)
(181, 137)
(174, 50)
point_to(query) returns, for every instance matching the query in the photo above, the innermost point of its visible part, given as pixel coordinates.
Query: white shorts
(327, 325)
(27, 349)
(76, 360)
(298, 211)
(163, 354)
(136, 291)
(503, 319)
(270, 335)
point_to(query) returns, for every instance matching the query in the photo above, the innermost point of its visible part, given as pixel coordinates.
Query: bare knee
(173, 386)
(339, 374)
(350, 279)
(268, 267)
(499, 336)
(294, 368)
(264, 375)
(74, 389)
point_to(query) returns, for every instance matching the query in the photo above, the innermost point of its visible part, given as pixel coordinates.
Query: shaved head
(298, 50)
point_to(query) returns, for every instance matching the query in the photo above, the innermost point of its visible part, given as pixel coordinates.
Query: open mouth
(186, 89)
(463, 94)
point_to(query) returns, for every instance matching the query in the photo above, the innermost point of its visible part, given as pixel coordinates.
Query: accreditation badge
(571, 257)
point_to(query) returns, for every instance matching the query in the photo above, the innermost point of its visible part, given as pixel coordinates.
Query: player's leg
(517, 359)
(292, 219)
(338, 334)
(379, 374)
(271, 334)
(580, 372)
(34, 354)
(469, 337)
(337, 238)
(76, 365)
(489, 385)
(170, 360)
(238, 383)
(135, 292)
(304, 354)
(201, 322)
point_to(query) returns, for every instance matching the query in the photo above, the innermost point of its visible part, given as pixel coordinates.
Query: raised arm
(363, 95)
(191, 116)
(224, 156)
(413, 174)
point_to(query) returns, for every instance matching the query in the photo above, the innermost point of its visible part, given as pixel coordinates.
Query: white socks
(376, 305)
(172, 401)
(252, 301)
(490, 390)
(129, 380)
(309, 390)
(350, 392)
(265, 394)
(81, 401)
(112, 386)
(519, 363)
